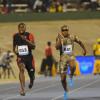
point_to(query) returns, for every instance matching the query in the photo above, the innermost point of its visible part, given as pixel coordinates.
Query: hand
(84, 52)
(18, 59)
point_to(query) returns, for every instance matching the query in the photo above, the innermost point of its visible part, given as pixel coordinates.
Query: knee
(63, 80)
(21, 68)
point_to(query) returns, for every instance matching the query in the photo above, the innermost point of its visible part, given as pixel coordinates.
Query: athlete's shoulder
(31, 36)
(28, 33)
(15, 34)
(60, 36)
(74, 37)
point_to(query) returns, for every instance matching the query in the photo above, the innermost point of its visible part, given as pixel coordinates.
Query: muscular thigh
(63, 63)
(72, 61)
(21, 64)
(29, 63)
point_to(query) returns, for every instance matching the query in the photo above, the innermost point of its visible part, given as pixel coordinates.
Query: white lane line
(36, 90)
(58, 78)
(10, 88)
(55, 98)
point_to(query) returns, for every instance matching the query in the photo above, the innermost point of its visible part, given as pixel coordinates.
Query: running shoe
(65, 96)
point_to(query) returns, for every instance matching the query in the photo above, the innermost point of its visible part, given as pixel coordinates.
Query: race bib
(23, 50)
(67, 49)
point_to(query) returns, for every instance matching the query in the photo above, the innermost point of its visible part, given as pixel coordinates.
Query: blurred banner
(87, 65)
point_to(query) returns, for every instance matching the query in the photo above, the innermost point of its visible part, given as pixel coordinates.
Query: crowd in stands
(50, 5)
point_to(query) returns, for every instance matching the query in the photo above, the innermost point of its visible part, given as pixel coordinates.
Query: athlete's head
(64, 30)
(21, 28)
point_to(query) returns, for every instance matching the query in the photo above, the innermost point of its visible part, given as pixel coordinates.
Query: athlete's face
(22, 29)
(65, 32)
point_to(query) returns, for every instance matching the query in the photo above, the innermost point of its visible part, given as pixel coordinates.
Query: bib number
(23, 50)
(67, 49)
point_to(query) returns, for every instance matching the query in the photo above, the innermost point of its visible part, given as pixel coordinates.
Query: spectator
(38, 6)
(85, 4)
(94, 5)
(96, 49)
(52, 8)
(30, 4)
(9, 2)
(4, 9)
(47, 4)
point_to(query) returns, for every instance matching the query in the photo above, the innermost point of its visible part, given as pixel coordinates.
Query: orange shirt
(48, 51)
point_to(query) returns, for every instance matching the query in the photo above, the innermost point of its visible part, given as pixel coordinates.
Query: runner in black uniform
(23, 43)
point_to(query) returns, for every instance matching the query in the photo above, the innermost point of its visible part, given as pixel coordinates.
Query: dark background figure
(4, 9)
(49, 56)
(94, 5)
(9, 3)
(48, 60)
(30, 4)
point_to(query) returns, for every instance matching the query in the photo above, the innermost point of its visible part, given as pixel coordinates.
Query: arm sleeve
(32, 40)
(31, 37)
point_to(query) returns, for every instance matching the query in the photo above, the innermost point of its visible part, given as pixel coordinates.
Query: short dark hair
(21, 24)
(64, 27)
(48, 43)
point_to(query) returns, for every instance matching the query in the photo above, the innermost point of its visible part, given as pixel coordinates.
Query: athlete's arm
(81, 44)
(58, 43)
(14, 45)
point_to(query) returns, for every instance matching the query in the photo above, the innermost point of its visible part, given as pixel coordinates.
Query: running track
(47, 88)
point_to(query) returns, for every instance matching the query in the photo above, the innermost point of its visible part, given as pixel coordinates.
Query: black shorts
(28, 61)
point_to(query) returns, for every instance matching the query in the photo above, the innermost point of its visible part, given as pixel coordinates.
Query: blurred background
(44, 18)
(11, 6)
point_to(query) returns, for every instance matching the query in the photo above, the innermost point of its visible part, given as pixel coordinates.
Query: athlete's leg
(72, 64)
(31, 70)
(31, 73)
(63, 70)
(63, 81)
(21, 78)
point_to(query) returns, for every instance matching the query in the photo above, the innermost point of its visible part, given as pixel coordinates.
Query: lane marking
(55, 98)
(36, 90)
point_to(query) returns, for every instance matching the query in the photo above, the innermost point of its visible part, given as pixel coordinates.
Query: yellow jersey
(96, 49)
